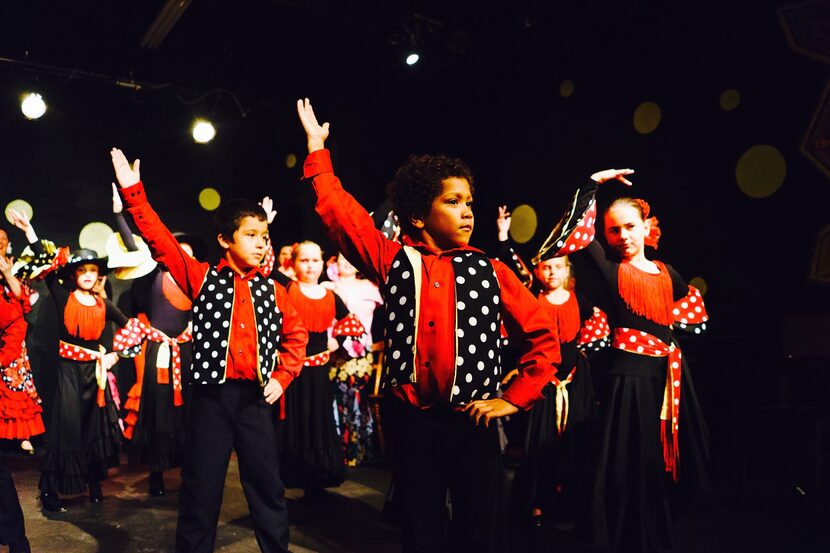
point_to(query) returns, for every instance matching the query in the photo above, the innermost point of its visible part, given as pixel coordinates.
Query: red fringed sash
(84, 321)
(642, 343)
(647, 295)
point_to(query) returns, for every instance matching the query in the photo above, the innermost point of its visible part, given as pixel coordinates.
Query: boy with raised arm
(248, 345)
(444, 303)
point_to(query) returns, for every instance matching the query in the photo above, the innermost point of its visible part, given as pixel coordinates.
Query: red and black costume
(84, 433)
(245, 333)
(442, 351)
(311, 452)
(639, 447)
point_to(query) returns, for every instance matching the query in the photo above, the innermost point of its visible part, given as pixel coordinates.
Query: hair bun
(644, 206)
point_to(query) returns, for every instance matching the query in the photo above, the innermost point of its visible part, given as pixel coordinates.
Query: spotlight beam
(166, 19)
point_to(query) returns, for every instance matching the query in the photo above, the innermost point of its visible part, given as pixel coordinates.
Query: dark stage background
(487, 89)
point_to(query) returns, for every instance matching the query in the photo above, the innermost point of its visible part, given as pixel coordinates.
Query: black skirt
(83, 439)
(158, 438)
(556, 470)
(310, 449)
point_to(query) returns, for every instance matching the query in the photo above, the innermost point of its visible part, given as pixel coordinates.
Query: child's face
(249, 244)
(308, 263)
(449, 223)
(4, 242)
(553, 273)
(625, 230)
(86, 276)
(284, 257)
(344, 268)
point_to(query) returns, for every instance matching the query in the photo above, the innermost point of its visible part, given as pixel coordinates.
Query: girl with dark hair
(84, 428)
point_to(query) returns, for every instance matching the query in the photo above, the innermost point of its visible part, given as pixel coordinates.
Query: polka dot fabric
(268, 262)
(128, 339)
(595, 332)
(642, 343)
(690, 312)
(349, 326)
(574, 231)
(400, 301)
(212, 313)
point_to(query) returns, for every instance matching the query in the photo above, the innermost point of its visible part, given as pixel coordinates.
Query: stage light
(94, 236)
(523, 225)
(412, 58)
(647, 118)
(209, 199)
(21, 206)
(33, 106)
(761, 171)
(291, 161)
(566, 89)
(730, 99)
(203, 131)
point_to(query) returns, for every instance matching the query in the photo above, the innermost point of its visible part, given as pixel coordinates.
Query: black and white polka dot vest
(212, 312)
(477, 298)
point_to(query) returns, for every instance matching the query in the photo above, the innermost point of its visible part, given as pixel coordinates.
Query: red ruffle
(19, 415)
(84, 321)
(131, 407)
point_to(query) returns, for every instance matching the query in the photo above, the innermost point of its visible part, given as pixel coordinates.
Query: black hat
(82, 256)
(199, 246)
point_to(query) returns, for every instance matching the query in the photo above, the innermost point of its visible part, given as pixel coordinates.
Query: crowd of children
(259, 353)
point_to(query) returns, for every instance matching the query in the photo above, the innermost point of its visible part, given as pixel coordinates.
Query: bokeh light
(700, 284)
(33, 106)
(761, 171)
(523, 225)
(203, 131)
(21, 206)
(566, 89)
(291, 161)
(647, 117)
(94, 236)
(730, 99)
(209, 199)
(412, 58)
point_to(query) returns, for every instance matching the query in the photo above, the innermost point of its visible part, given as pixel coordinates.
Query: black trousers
(437, 450)
(11, 515)
(222, 417)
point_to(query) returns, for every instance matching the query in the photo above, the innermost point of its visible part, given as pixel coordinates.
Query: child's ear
(416, 222)
(222, 242)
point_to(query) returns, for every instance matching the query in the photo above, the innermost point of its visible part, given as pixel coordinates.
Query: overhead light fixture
(203, 131)
(412, 58)
(33, 106)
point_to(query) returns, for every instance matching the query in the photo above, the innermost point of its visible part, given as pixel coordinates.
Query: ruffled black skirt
(310, 449)
(83, 439)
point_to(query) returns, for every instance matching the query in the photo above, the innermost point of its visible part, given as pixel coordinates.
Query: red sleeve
(293, 341)
(347, 223)
(12, 340)
(532, 329)
(186, 271)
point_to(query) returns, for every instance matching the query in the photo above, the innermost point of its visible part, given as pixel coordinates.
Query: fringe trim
(84, 321)
(647, 295)
(566, 316)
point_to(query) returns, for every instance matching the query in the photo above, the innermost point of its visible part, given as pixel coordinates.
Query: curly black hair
(418, 182)
(229, 215)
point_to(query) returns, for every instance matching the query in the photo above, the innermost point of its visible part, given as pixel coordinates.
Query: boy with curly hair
(445, 301)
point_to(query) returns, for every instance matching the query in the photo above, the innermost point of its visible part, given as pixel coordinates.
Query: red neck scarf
(84, 321)
(645, 294)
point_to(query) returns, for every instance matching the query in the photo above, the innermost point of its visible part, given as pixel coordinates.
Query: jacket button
(432, 323)
(437, 285)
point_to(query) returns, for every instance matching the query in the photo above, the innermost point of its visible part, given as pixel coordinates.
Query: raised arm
(121, 221)
(347, 222)
(187, 272)
(8, 276)
(22, 222)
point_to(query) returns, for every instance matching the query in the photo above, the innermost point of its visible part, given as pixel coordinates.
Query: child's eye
(452, 201)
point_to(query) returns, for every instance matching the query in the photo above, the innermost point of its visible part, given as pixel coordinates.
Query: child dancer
(248, 346)
(630, 510)
(444, 302)
(353, 368)
(311, 452)
(12, 333)
(84, 431)
(20, 405)
(559, 441)
(155, 406)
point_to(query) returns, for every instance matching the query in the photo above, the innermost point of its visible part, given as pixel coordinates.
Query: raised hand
(21, 221)
(5, 265)
(503, 223)
(613, 174)
(268, 205)
(126, 175)
(315, 132)
(117, 206)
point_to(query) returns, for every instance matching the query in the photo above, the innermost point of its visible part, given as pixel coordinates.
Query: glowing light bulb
(412, 59)
(33, 106)
(203, 131)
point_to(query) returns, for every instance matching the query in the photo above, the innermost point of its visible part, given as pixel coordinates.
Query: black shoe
(51, 502)
(20, 546)
(157, 484)
(96, 496)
